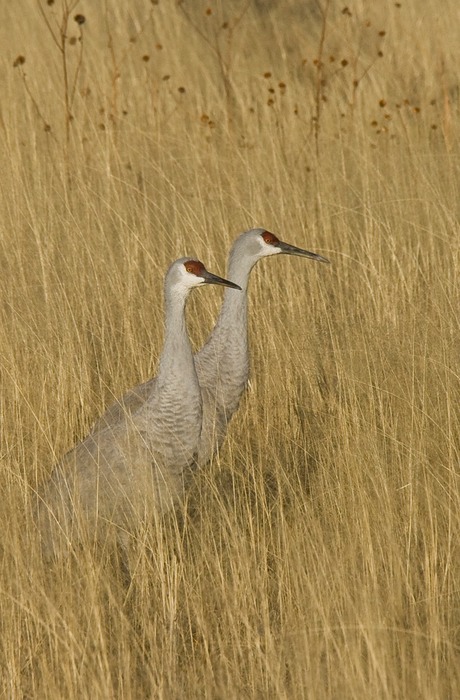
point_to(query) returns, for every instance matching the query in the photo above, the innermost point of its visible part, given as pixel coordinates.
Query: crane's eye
(270, 238)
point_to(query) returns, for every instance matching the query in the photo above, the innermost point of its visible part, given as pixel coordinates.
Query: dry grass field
(318, 555)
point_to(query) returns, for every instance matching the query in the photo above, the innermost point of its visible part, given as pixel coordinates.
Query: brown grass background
(318, 556)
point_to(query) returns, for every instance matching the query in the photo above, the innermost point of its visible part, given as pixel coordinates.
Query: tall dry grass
(318, 555)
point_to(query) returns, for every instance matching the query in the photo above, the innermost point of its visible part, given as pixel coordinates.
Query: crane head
(195, 274)
(271, 245)
(257, 243)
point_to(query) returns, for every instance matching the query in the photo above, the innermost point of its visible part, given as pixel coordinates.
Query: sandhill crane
(222, 364)
(140, 464)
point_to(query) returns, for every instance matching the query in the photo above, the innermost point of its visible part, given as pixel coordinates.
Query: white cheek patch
(268, 249)
(189, 281)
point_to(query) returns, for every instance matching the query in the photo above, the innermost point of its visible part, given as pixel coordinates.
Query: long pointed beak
(292, 250)
(209, 278)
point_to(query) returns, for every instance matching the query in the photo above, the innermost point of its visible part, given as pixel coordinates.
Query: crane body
(140, 463)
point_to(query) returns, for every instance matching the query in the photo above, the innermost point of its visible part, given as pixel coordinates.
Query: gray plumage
(222, 365)
(138, 465)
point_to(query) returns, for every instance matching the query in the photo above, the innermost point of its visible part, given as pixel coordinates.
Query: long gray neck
(227, 347)
(176, 362)
(172, 414)
(232, 320)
